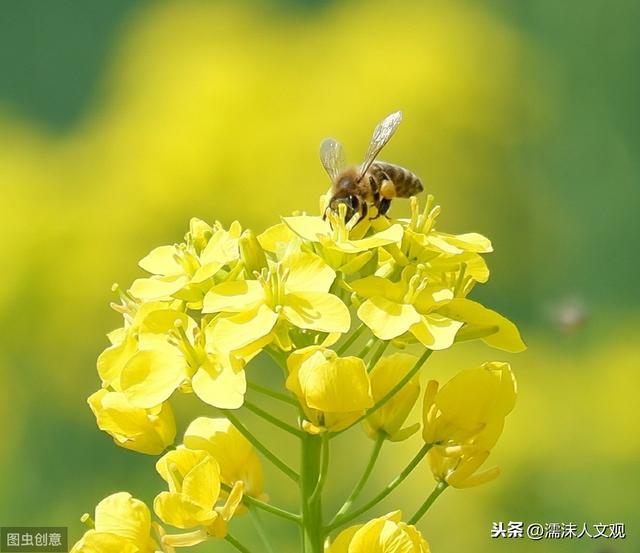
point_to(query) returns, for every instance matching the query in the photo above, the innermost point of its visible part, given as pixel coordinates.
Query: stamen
(88, 521)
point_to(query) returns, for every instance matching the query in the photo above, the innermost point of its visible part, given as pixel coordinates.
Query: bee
(372, 183)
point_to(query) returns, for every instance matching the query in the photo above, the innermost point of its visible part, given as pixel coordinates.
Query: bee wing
(381, 135)
(332, 157)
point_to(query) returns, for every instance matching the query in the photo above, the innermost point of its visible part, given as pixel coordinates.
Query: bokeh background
(120, 120)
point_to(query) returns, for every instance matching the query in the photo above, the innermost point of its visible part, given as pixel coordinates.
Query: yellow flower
(186, 271)
(194, 490)
(391, 416)
(235, 455)
(333, 391)
(122, 525)
(168, 351)
(386, 534)
(411, 305)
(464, 420)
(293, 293)
(343, 245)
(147, 431)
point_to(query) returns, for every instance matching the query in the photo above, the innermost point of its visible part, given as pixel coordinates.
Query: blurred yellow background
(121, 120)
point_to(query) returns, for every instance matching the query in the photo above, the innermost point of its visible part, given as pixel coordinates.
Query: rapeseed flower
(193, 477)
(187, 270)
(292, 294)
(236, 457)
(409, 306)
(464, 420)
(386, 534)
(122, 524)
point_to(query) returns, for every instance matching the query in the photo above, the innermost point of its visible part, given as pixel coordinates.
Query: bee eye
(353, 202)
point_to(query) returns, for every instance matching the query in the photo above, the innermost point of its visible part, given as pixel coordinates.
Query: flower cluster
(326, 298)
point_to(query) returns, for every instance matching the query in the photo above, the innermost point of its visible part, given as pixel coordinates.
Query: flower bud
(252, 253)
(391, 416)
(333, 391)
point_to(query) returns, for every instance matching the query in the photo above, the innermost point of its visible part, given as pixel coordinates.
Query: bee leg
(365, 210)
(385, 204)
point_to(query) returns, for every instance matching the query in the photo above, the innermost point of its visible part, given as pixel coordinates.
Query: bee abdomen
(405, 183)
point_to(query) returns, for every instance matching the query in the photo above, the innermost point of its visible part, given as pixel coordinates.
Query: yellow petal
(150, 377)
(323, 386)
(179, 511)
(131, 427)
(276, 237)
(234, 453)
(220, 385)
(161, 261)
(202, 483)
(238, 331)
(469, 242)
(480, 321)
(180, 460)
(308, 227)
(371, 286)
(157, 288)
(125, 516)
(386, 374)
(233, 297)
(102, 542)
(307, 273)
(316, 311)
(113, 359)
(388, 236)
(436, 332)
(387, 319)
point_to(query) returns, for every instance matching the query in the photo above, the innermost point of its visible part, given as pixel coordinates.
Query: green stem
(260, 446)
(367, 347)
(237, 544)
(351, 339)
(257, 524)
(405, 379)
(377, 354)
(375, 452)
(273, 420)
(324, 467)
(272, 393)
(250, 501)
(440, 487)
(312, 534)
(339, 521)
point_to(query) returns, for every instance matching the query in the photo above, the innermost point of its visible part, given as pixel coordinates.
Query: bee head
(351, 201)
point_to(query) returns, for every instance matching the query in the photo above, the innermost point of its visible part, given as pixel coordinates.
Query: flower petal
(157, 288)
(151, 376)
(387, 319)
(238, 331)
(503, 334)
(316, 311)
(233, 297)
(125, 516)
(435, 331)
(307, 273)
(308, 227)
(161, 261)
(220, 385)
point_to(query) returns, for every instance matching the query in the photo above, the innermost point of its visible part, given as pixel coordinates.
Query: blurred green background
(120, 120)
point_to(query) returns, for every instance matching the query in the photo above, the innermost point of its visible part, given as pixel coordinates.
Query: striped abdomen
(405, 183)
